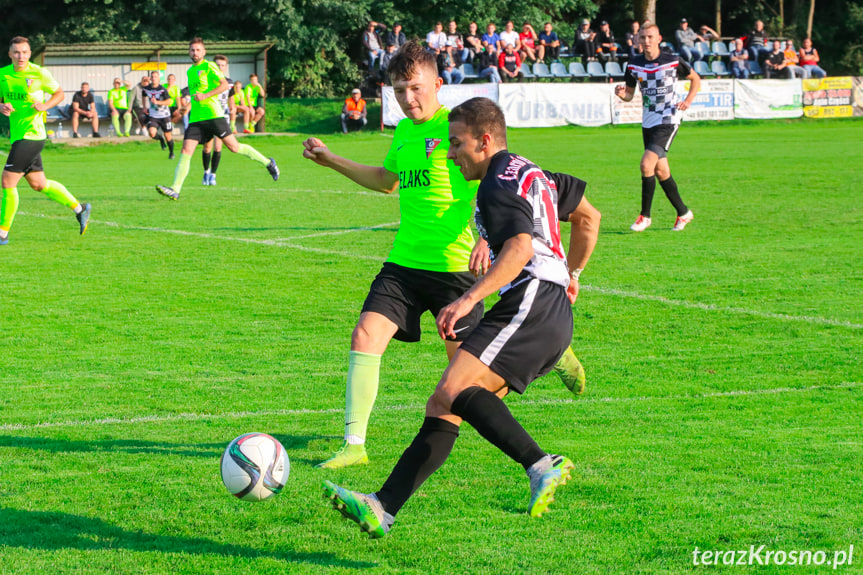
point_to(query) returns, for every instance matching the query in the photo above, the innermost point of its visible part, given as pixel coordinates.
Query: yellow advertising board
(146, 66)
(828, 97)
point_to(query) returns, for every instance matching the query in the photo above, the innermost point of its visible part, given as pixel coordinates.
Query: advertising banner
(768, 99)
(627, 112)
(547, 105)
(858, 96)
(714, 101)
(828, 97)
(449, 95)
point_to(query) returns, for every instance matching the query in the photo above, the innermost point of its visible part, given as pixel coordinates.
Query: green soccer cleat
(84, 217)
(345, 457)
(544, 484)
(571, 372)
(168, 192)
(363, 509)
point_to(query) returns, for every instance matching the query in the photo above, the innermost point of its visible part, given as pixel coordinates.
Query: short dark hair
(18, 40)
(196, 40)
(85, 84)
(218, 57)
(481, 116)
(409, 59)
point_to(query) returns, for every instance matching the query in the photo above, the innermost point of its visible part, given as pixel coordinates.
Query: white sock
(354, 440)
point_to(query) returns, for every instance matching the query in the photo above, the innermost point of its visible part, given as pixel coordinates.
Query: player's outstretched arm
(375, 178)
(582, 241)
(54, 100)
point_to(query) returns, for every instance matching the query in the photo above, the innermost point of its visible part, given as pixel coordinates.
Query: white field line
(339, 232)
(409, 407)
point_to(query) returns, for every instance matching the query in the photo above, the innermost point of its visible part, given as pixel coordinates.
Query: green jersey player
(23, 88)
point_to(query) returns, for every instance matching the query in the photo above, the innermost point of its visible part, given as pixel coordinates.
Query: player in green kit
(428, 266)
(207, 120)
(23, 87)
(118, 104)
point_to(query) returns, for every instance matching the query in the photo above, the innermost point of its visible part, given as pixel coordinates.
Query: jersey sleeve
(505, 215)
(683, 68)
(49, 84)
(390, 162)
(570, 190)
(215, 74)
(629, 77)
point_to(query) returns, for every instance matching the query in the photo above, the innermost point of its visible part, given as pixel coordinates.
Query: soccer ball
(255, 467)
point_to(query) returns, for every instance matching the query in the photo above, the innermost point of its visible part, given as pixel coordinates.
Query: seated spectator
(118, 105)
(385, 62)
(447, 67)
(473, 41)
(372, 43)
(256, 101)
(436, 39)
(633, 39)
(527, 39)
(509, 64)
(793, 60)
(756, 43)
(456, 41)
(809, 60)
(739, 57)
(709, 34)
(549, 43)
(240, 108)
(606, 47)
(84, 107)
(686, 39)
(510, 36)
(585, 41)
(354, 112)
(396, 37)
(491, 39)
(775, 66)
(488, 66)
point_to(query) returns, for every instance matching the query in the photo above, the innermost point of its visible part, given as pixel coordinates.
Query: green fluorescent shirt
(22, 90)
(252, 92)
(174, 92)
(436, 202)
(120, 98)
(202, 78)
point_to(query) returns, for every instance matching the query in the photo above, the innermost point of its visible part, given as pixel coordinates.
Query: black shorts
(164, 123)
(25, 156)
(525, 333)
(403, 294)
(121, 112)
(205, 130)
(658, 138)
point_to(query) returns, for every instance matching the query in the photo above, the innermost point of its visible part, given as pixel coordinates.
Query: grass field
(725, 381)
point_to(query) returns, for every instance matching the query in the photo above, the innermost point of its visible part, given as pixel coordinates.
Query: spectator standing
(686, 39)
(354, 112)
(436, 39)
(491, 39)
(455, 40)
(473, 41)
(585, 41)
(756, 43)
(84, 106)
(606, 47)
(372, 43)
(633, 39)
(549, 43)
(793, 60)
(174, 91)
(509, 64)
(137, 100)
(488, 67)
(809, 59)
(396, 37)
(528, 39)
(775, 65)
(739, 57)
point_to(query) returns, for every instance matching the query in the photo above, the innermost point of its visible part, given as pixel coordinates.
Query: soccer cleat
(97, 135)
(163, 144)
(171, 156)
(345, 457)
(84, 217)
(571, 372)
(681, 221)
(206, 180)
(641, 224)
(363, 509)
(4, 241)
(273, 169)
(168, 192)
(212, 179)
(543, 486)
(75, 135)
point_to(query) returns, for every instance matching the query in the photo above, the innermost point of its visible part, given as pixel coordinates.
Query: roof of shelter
(149, 49)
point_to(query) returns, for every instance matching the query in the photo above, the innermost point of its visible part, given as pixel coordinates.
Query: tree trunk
(645, 10)
(781, 17)
(718, 26)
(811, 15)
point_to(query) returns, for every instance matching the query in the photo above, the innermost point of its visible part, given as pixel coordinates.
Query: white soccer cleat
(641, 224)
(681, 221)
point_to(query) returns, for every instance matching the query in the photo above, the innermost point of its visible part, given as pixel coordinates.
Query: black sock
(171, 147)
(217, 157)
(669, 186)
(206, 157)
(424, 456)
(488, 414)
(648, 186)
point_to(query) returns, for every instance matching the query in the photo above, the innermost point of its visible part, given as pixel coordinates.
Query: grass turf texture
(724, 398)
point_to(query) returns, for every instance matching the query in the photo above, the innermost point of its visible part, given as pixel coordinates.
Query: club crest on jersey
(29, 83)
(431, 144)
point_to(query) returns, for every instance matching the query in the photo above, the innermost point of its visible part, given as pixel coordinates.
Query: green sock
(250, 152)
(364, 370)
(128, 123)
(8, 207)
(251, 126)
(182, 172)
(115, 121)
(58, 192)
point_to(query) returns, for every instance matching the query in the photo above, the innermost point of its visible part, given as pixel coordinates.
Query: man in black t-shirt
(83, 106)
(776, 65)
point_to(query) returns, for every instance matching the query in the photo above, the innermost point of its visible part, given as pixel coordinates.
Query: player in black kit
(159, 113)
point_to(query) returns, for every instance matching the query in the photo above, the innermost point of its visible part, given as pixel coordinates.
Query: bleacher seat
(754, 68)
(525, 70)
(540, 70)
(559, 71)
(468, 71)
(721, 50)
(596, 72)
(718, 68)
(576, 70)
(702, 70)
(704, 48)
(668, 47)
(613, 70)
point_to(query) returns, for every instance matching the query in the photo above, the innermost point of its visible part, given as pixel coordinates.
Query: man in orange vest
(354, 113)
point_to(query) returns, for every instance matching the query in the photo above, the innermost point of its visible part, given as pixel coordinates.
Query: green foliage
(313, 115)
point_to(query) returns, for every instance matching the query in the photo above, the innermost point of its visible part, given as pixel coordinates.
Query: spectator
(775, 65)
(436, 39)
(174, 92)
(488, 67)
(756, 43)
(509, 36)
(686, 39)
(118, 105)
(528, 39)
(709, 34)
(240, 107)
(606, 47)
(633, 39)
(372, 43)
(447, 67)
(83, 106)
(793, 61)
(354, 112)
(809, 59)
(455, 40)
(139, 103)
(509, 64)
(255, 100)
(739, 57)
(491, 39)
(396, 37)
(385, 61)
(473, 41)
(585, 41)
(549, 43)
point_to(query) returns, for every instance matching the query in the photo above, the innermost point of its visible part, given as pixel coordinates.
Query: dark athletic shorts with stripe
(525, 333)
(25, 156)
(163, 123)
(204, 130)
(403, 294)
(658, 138)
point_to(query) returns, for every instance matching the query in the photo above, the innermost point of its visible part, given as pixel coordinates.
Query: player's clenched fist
(315, 150)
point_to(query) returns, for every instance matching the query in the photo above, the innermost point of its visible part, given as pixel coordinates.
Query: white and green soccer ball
(255, 467)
